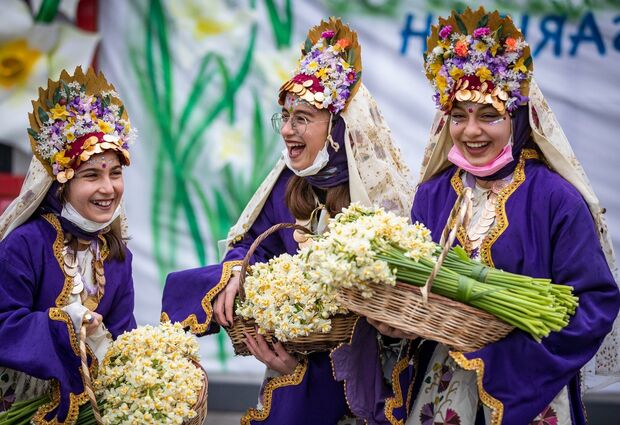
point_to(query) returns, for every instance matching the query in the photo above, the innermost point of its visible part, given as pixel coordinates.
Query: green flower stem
(531, 307)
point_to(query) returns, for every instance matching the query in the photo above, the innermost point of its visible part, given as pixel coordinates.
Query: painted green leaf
(57, 95)
(33, 134)
(461, 24)
(43, 116)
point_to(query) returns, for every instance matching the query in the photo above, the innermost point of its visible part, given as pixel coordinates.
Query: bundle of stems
(22, 412)
(536, 306)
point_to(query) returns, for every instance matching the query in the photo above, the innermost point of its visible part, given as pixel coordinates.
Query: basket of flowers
(150, 375)
(280, 299)
(391, 271)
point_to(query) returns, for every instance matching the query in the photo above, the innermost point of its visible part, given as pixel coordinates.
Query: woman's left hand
(277, 359)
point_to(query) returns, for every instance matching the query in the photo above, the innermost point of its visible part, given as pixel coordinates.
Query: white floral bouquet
(283, 298)
(148, 377)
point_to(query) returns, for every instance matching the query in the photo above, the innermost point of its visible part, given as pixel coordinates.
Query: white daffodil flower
(30, 53)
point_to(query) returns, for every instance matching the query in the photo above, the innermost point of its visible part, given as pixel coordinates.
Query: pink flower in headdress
(481, 32)
(327, 34)
(351, 76)
(445, 32)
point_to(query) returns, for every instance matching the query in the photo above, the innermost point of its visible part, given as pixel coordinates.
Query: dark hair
(301, 202)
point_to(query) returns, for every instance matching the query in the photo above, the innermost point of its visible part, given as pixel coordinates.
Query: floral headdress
(330, 70)
(77, 117)
(478, 57)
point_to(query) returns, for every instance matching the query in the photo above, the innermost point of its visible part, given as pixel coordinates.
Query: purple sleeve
(189, 294)
(42, 344)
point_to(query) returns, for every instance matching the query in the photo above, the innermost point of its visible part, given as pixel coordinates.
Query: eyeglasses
(299, 123)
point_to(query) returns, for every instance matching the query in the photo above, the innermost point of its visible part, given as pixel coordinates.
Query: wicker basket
(342, 325)
(418, 311)
(201, 404)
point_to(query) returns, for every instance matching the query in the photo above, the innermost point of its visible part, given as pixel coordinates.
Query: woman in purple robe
(534, 213)
(338, 149)
(63, 258)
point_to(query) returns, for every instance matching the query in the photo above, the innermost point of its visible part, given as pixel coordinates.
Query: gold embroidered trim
(501, 219)
(395, 402)
(191, 321)
(477, 365)
(294, 378)
(63, 298)
(75, 401)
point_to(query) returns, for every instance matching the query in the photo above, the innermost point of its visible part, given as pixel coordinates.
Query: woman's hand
(223, 307)
(386, 329)
(278, 360)
(92, 321)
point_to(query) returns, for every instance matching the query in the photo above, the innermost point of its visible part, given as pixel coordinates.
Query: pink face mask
(504, 158)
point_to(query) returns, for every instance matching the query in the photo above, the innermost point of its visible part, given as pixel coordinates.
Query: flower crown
(328, 74)
(77, 117)
(478, 57)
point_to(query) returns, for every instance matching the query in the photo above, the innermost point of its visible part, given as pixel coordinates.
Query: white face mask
(320, 161)
(85, 224)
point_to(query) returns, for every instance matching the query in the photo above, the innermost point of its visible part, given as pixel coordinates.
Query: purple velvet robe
(550, 234)
(36, 334)
(316, 395)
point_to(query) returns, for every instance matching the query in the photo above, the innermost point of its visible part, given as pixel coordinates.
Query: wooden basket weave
(415, 310)
(342, 324)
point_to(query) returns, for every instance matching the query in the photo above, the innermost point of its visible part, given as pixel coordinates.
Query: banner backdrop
(200, 79)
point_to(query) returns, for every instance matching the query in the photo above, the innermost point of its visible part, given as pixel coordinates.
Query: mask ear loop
(330, 139)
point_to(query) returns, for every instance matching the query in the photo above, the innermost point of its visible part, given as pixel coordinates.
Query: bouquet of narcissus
(281, 296)
(148, 376)
(367, 246)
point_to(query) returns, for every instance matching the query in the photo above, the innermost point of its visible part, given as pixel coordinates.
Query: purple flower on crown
(481, 32)
(327, 35)
(445, 32)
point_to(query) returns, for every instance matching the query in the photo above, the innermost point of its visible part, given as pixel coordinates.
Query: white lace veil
(604, 368)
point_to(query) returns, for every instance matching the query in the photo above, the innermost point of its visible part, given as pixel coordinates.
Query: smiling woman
(63, 258)
(337, 149)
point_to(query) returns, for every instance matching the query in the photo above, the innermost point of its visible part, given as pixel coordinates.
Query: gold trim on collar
(501, 219)
(191, 321)
(294, 378)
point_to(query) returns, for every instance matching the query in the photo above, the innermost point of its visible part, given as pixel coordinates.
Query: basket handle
(246, 260)
(88, 384)
(460, 215)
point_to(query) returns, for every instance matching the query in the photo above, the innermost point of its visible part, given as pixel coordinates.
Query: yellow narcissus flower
(61, 159)
(321, 73)
(105, 126)
(456, 73)
(441, 82)
(59, 112)
(435, 67)
(484, 74)
(520, 65)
